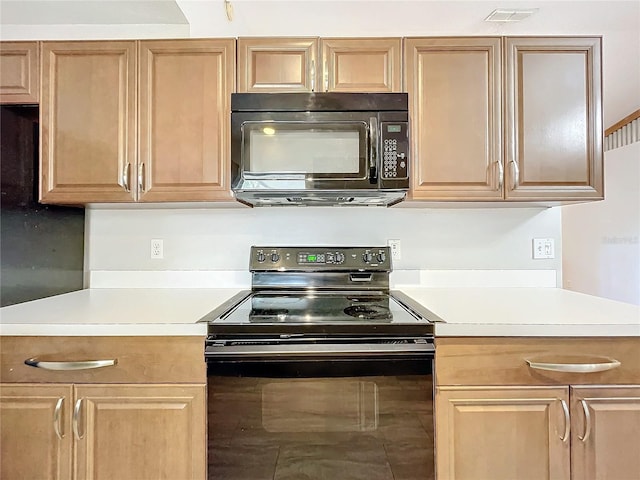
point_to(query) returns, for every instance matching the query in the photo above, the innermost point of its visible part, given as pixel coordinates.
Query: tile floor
(359, 428)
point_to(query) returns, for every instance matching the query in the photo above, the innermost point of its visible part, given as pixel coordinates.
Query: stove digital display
(311, 257)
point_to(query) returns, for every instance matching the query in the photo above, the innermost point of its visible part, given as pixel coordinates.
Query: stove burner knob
(261, 257)
(381, 257)
(339, 258)
(367, 257)
(275, 257)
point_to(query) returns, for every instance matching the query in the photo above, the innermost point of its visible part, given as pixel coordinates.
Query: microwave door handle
(373, 150)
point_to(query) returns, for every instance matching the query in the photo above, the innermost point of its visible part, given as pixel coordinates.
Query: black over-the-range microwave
(319, 148)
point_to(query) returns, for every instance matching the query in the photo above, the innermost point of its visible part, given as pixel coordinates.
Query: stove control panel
(320, 258)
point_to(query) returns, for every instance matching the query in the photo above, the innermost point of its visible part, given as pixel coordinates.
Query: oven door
(333, 413)
(294, 151)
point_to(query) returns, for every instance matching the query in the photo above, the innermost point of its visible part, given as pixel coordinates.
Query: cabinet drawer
(138, 359)
(504, 361)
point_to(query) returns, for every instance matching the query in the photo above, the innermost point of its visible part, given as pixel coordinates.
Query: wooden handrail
(628, 119)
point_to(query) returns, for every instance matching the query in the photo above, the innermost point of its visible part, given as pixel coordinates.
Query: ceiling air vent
(505, 15)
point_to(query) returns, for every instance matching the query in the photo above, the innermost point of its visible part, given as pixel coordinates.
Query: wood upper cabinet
(361, 64)
(19, 73)
(553, 118)
(138, 432)
(268, 64)
(185, 93)
(605, 426)
(502, 433)
(550, 92)
(35, 431)
(454, 87)
(310, 64)
(88, 122)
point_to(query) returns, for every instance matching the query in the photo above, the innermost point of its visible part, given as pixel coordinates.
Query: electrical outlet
(543, 248)
(396, 254)
(157, 248)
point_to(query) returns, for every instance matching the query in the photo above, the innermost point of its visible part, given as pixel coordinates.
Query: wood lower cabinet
(88, 122)
(35, 431)
(605, 435)
(98, 424)
(510, 408)
(19, 73)
(502, 433)
(136, 432)
(311, 64)
(185, 95)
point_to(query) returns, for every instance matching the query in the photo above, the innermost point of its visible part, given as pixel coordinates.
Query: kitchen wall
(601, 240)
(209, 239)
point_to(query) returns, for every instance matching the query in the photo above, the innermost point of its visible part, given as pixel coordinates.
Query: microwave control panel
(395, 149)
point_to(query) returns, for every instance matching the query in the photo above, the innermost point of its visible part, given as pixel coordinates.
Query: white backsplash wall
(219, 239)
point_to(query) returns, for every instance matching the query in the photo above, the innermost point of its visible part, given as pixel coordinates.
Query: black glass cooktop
(292, 313)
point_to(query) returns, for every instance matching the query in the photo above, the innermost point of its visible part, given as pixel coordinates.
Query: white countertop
(115, 311)
(526, 312)
(467, 312)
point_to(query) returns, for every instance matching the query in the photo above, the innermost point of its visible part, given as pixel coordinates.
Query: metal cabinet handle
(56, 418)
(576, 367)
(500, 175)
(141, 177)
(587, 421)
(125, 177)
(76, 415)
(83, 365)
(567, 421)
(326, 77)
(516, 174)
(313, 75)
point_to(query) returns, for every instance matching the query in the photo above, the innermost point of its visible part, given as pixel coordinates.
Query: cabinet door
(87, 122)
(502, 433)
(138, 432)
(454, 87)
(185, 92)
(35, 431)
(361, 64)
(278, 64)
(554, 118)
(605, 432)
(19, 72)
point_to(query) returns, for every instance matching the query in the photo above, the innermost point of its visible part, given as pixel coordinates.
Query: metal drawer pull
(56, 418)
(76, 414)
(567, 421)
(587, 421)
(500, 174)
(516, 174)
(610, 364)
(84, 365)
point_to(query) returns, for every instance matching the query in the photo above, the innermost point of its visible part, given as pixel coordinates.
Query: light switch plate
(543, 248)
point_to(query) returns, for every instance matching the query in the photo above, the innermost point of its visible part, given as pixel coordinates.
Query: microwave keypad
(394, 160)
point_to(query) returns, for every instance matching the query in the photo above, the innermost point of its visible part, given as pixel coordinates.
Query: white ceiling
(617, 21)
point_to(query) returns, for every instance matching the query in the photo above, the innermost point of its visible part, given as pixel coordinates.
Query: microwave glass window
(322, 149)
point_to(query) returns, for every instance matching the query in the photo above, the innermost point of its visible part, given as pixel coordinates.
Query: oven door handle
(319, 350)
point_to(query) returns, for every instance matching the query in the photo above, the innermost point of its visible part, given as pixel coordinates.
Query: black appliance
(320, 148)
(41, 246)
(320, 370)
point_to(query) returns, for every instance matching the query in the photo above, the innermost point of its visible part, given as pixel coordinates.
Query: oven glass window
(355, 428)
(315, 149)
